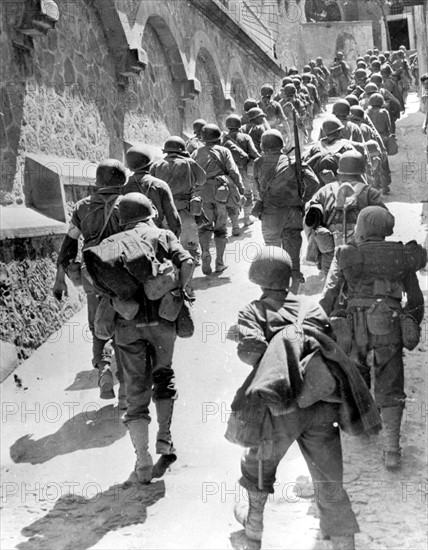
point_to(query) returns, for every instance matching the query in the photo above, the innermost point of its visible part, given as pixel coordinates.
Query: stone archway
(236, 84)
(209, 104)
(158, 88)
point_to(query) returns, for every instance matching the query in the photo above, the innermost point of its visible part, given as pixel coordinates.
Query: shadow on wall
(78, 522)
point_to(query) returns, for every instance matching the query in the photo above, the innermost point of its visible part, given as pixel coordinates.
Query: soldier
(94, 218)
(244, 154)
(140, 159)
(381, 120)
(273, 111)
(314, 107)
(340, 74)
(350, 130)
(332, 212)
(184, 177)
(282, 198)
(371, 275)
(392, 87)
(256, 126)
(292, 103)
(324, 156)
(369, 132)
(357, 86)
(270, 344)
(145, 343)
(323, 80)
(195, 141)
(223, 185)
(401, 66)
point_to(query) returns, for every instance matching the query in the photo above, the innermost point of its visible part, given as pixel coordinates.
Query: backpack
(120, 264)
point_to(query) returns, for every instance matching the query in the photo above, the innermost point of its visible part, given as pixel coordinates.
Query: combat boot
(250, 514)
(391, 420)
(122, 403)
(344, 542)
(247, 216)
(164, 444)
(220, 245)
(105, 381)
(205, 240)
(139, 432)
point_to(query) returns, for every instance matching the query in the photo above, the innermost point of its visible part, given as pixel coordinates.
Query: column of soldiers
(177, 205)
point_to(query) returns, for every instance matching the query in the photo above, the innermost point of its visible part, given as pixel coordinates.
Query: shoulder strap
(107, 218)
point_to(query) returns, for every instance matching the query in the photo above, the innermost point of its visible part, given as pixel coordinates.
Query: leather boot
(122, 403)
(250, 514)
(204, 241)
(105, 381)
(220, 245)
(139, 432)
(164, 444)
(391, 420)
(344, 542)
(234, 217)
(247, 216)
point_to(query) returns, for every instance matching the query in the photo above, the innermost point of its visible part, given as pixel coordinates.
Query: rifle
(297, 154)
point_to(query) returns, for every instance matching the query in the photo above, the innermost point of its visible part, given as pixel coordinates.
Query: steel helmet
(211, 133)
(233, 121)
(306, 77)
(110, 172)
(376, 100)
(382, 58)
(362, 64)
(352, 163)
(134, 207)
(296, 83)
(289, 89)
(319, 60)
(174, 144)
(386, 69)
(373, 58)
(266, 90)
(371, 88)
(272, 139)
(352, 100)
(254, 113)
(307, 69)
(376, 79)
(357, 112)
(360, 73)
(287, 80)
(331, 125)
(198, 125)
(139, 156)
(292, 70)
(375, 65)
(341, 108)
(250, 103)
(271, 268)
(374, 221)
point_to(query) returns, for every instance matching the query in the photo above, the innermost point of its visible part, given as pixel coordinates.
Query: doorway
(399, 33)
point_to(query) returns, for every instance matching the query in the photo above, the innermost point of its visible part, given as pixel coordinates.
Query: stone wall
(73, 93)
(325, 39)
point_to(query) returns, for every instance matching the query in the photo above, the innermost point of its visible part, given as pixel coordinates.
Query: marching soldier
(324, 156)
(140, 160)
(370, 275)
(268, 342)
(94, 218)
(256, 126)
(244, 154)
(223, 185)
(145, 341)
(282, 199)
(273, 111)
(184, 177)
(340, 74)
(195, 141)
(332, 212)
